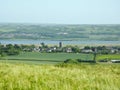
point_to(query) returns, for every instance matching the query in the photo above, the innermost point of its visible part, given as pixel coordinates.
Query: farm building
(115, 61)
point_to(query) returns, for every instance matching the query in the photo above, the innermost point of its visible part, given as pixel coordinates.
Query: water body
(56, 42)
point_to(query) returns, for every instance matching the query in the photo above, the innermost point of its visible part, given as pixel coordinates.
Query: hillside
(59, 77)
(60, 32)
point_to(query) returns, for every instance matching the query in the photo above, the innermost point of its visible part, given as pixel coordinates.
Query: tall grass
(59, 77)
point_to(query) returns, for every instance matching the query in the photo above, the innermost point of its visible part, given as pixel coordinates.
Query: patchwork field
(60, 32)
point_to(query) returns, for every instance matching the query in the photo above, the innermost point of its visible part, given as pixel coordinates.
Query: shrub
(71, 61)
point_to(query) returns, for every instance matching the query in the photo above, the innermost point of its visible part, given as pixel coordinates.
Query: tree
(75, 49)
(87, 47)
(95, 54)
(18, 47)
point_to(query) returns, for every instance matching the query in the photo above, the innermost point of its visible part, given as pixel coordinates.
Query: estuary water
(52, 42)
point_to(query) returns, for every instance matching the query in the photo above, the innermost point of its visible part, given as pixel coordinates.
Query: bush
(77, 61)
(71, 61)
(103, 61)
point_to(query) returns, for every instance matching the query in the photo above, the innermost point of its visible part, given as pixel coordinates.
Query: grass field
(59, 77)
(53, 58)
(109, 57)
(36, 57)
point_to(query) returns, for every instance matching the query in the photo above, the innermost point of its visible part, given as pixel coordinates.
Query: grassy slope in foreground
(62, 77)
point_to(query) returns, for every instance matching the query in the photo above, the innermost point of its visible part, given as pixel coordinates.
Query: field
(59, 77)
(54, 58)
(45, 58)
(109, 57)
(45, 71)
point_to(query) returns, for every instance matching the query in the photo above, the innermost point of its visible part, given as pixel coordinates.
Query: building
(86, 51)
(60, 44)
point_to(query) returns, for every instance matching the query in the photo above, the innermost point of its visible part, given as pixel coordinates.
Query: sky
(60, 11)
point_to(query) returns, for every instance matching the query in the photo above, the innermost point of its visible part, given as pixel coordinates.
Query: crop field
(46, 58)
(59, 77)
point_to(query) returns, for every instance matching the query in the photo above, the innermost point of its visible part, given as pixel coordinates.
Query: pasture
(46, 58)
(108, 57)
(54, 58)
(59, 77)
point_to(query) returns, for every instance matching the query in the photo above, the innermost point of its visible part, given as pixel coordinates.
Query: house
(42, 49)
(86, 51)
(51, 49)
(36, 49)
(68, 50)
(114, 50)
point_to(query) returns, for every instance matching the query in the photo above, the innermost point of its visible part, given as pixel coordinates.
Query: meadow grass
(59, 77)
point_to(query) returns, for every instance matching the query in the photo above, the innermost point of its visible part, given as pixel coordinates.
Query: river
(64, 42)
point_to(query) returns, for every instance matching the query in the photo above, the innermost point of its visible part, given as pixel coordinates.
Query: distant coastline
(55, 42)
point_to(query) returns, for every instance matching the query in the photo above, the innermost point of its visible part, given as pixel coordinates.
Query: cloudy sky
(60, 11)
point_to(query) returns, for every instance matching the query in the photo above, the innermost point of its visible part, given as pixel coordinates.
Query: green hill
(59, 77)
(60, 32)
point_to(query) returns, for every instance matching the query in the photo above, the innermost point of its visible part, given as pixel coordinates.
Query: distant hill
(60, 32)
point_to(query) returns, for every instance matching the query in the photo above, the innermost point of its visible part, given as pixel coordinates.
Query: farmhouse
(68, 50)
(36, 49)
(51, 49)
(86, 51)
(114, 50)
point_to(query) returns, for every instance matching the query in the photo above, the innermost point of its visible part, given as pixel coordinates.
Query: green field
(109, 57)
(53, 58)
(46, 58)
(59, 77)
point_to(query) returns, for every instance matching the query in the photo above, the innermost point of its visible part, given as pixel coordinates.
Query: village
(43, 48)
(71, 49)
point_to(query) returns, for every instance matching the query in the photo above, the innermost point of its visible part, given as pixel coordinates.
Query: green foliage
(72, 61)
(78, 61)
(75, 49)
(9, 49)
